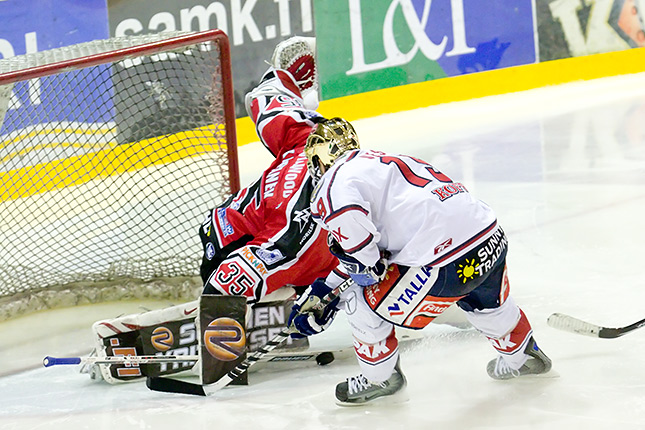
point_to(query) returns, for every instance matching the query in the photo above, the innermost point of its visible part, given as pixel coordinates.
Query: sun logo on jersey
(468, 270)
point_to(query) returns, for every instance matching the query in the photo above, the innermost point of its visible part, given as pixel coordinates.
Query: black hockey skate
(537, 363)
(357, 390)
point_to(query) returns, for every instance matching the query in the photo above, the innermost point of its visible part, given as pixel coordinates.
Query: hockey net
(111, 152)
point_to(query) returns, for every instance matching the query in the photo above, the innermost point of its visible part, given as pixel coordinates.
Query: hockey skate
(538, 363)
(357, 390)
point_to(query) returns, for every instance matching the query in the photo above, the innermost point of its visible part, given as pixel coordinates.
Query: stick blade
(168, 385)
(573, 325)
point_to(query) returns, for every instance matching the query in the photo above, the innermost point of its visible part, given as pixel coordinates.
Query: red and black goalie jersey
(263, 237)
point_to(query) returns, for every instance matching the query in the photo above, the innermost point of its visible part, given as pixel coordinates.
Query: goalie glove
(297, 56)
(303, 321)
(361, 274)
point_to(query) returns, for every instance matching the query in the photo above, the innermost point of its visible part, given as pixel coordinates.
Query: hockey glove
(361, 274)
(303, 321)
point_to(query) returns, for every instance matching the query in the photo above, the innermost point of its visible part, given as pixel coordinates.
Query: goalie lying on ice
(261, 239)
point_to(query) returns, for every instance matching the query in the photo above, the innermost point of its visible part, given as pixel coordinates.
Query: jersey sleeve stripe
(345, 209)
(352, 155)
(340, 274)
(361, 245)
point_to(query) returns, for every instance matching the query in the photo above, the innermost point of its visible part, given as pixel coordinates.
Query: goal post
(111, 153)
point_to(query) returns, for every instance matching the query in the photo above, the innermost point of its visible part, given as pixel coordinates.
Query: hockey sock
(377, 360)
(512, 345)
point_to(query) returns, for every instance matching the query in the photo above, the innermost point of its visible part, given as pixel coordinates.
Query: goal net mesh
(111, 153)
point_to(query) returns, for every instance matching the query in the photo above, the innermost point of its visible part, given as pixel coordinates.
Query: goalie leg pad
(222, 331)
(169, 331)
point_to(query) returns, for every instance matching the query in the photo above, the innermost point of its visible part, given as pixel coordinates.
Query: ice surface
(564, 168)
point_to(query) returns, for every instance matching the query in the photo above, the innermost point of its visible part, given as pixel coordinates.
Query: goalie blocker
(219, 329)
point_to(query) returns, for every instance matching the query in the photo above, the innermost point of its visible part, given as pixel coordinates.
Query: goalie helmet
(330, 139)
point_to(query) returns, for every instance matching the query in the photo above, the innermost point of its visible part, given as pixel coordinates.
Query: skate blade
(551, 374)
(395, 399)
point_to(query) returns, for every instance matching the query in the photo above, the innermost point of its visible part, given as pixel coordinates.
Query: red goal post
(111, 152)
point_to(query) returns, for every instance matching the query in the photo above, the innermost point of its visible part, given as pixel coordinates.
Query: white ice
(564, 168)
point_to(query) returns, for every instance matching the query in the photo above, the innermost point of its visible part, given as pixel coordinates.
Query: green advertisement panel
(365, 45)
(337, 22)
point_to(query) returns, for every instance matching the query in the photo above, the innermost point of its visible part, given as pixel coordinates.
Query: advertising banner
(365, 45)
(572, 28)
(254, 28)
(36, 25)
(30, 26)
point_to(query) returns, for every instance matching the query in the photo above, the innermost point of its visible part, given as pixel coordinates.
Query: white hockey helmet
(330, 139)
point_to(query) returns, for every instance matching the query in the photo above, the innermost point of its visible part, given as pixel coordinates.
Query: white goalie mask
(329, 140)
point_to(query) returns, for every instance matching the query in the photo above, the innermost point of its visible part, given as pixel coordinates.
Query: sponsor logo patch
(449, 190)
(468, 270)
(293, 358)
(269, 256)
(430, 308)
(443, 246)
(478, 262)
(302, 218)
(162, 339)
(225, 339)
(255, 262)
(227, 229)
(338, 235)
(210, 251)
(397, 298)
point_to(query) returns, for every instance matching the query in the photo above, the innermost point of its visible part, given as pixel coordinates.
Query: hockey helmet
(330, 139)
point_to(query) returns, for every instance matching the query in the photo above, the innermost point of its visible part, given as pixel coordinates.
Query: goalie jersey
(263, 237)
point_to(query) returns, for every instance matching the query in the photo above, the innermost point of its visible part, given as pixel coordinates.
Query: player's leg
(377, 352)
(492, 311)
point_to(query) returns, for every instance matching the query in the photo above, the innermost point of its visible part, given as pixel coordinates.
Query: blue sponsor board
(52, 99)
(36, 25)
(29, 26)
(498, 33)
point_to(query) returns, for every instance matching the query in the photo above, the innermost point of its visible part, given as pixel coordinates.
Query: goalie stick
(168, 385)
(133, 360)
(287, 355)
(574, 325)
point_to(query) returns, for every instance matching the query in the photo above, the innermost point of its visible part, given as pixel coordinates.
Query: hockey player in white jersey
(414, 242)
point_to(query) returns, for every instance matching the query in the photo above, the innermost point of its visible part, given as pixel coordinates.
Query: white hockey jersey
(372, 201)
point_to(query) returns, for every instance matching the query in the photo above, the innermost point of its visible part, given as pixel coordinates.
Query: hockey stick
(287, 355)
(574, 325)
(133, 360)
(168, 385)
